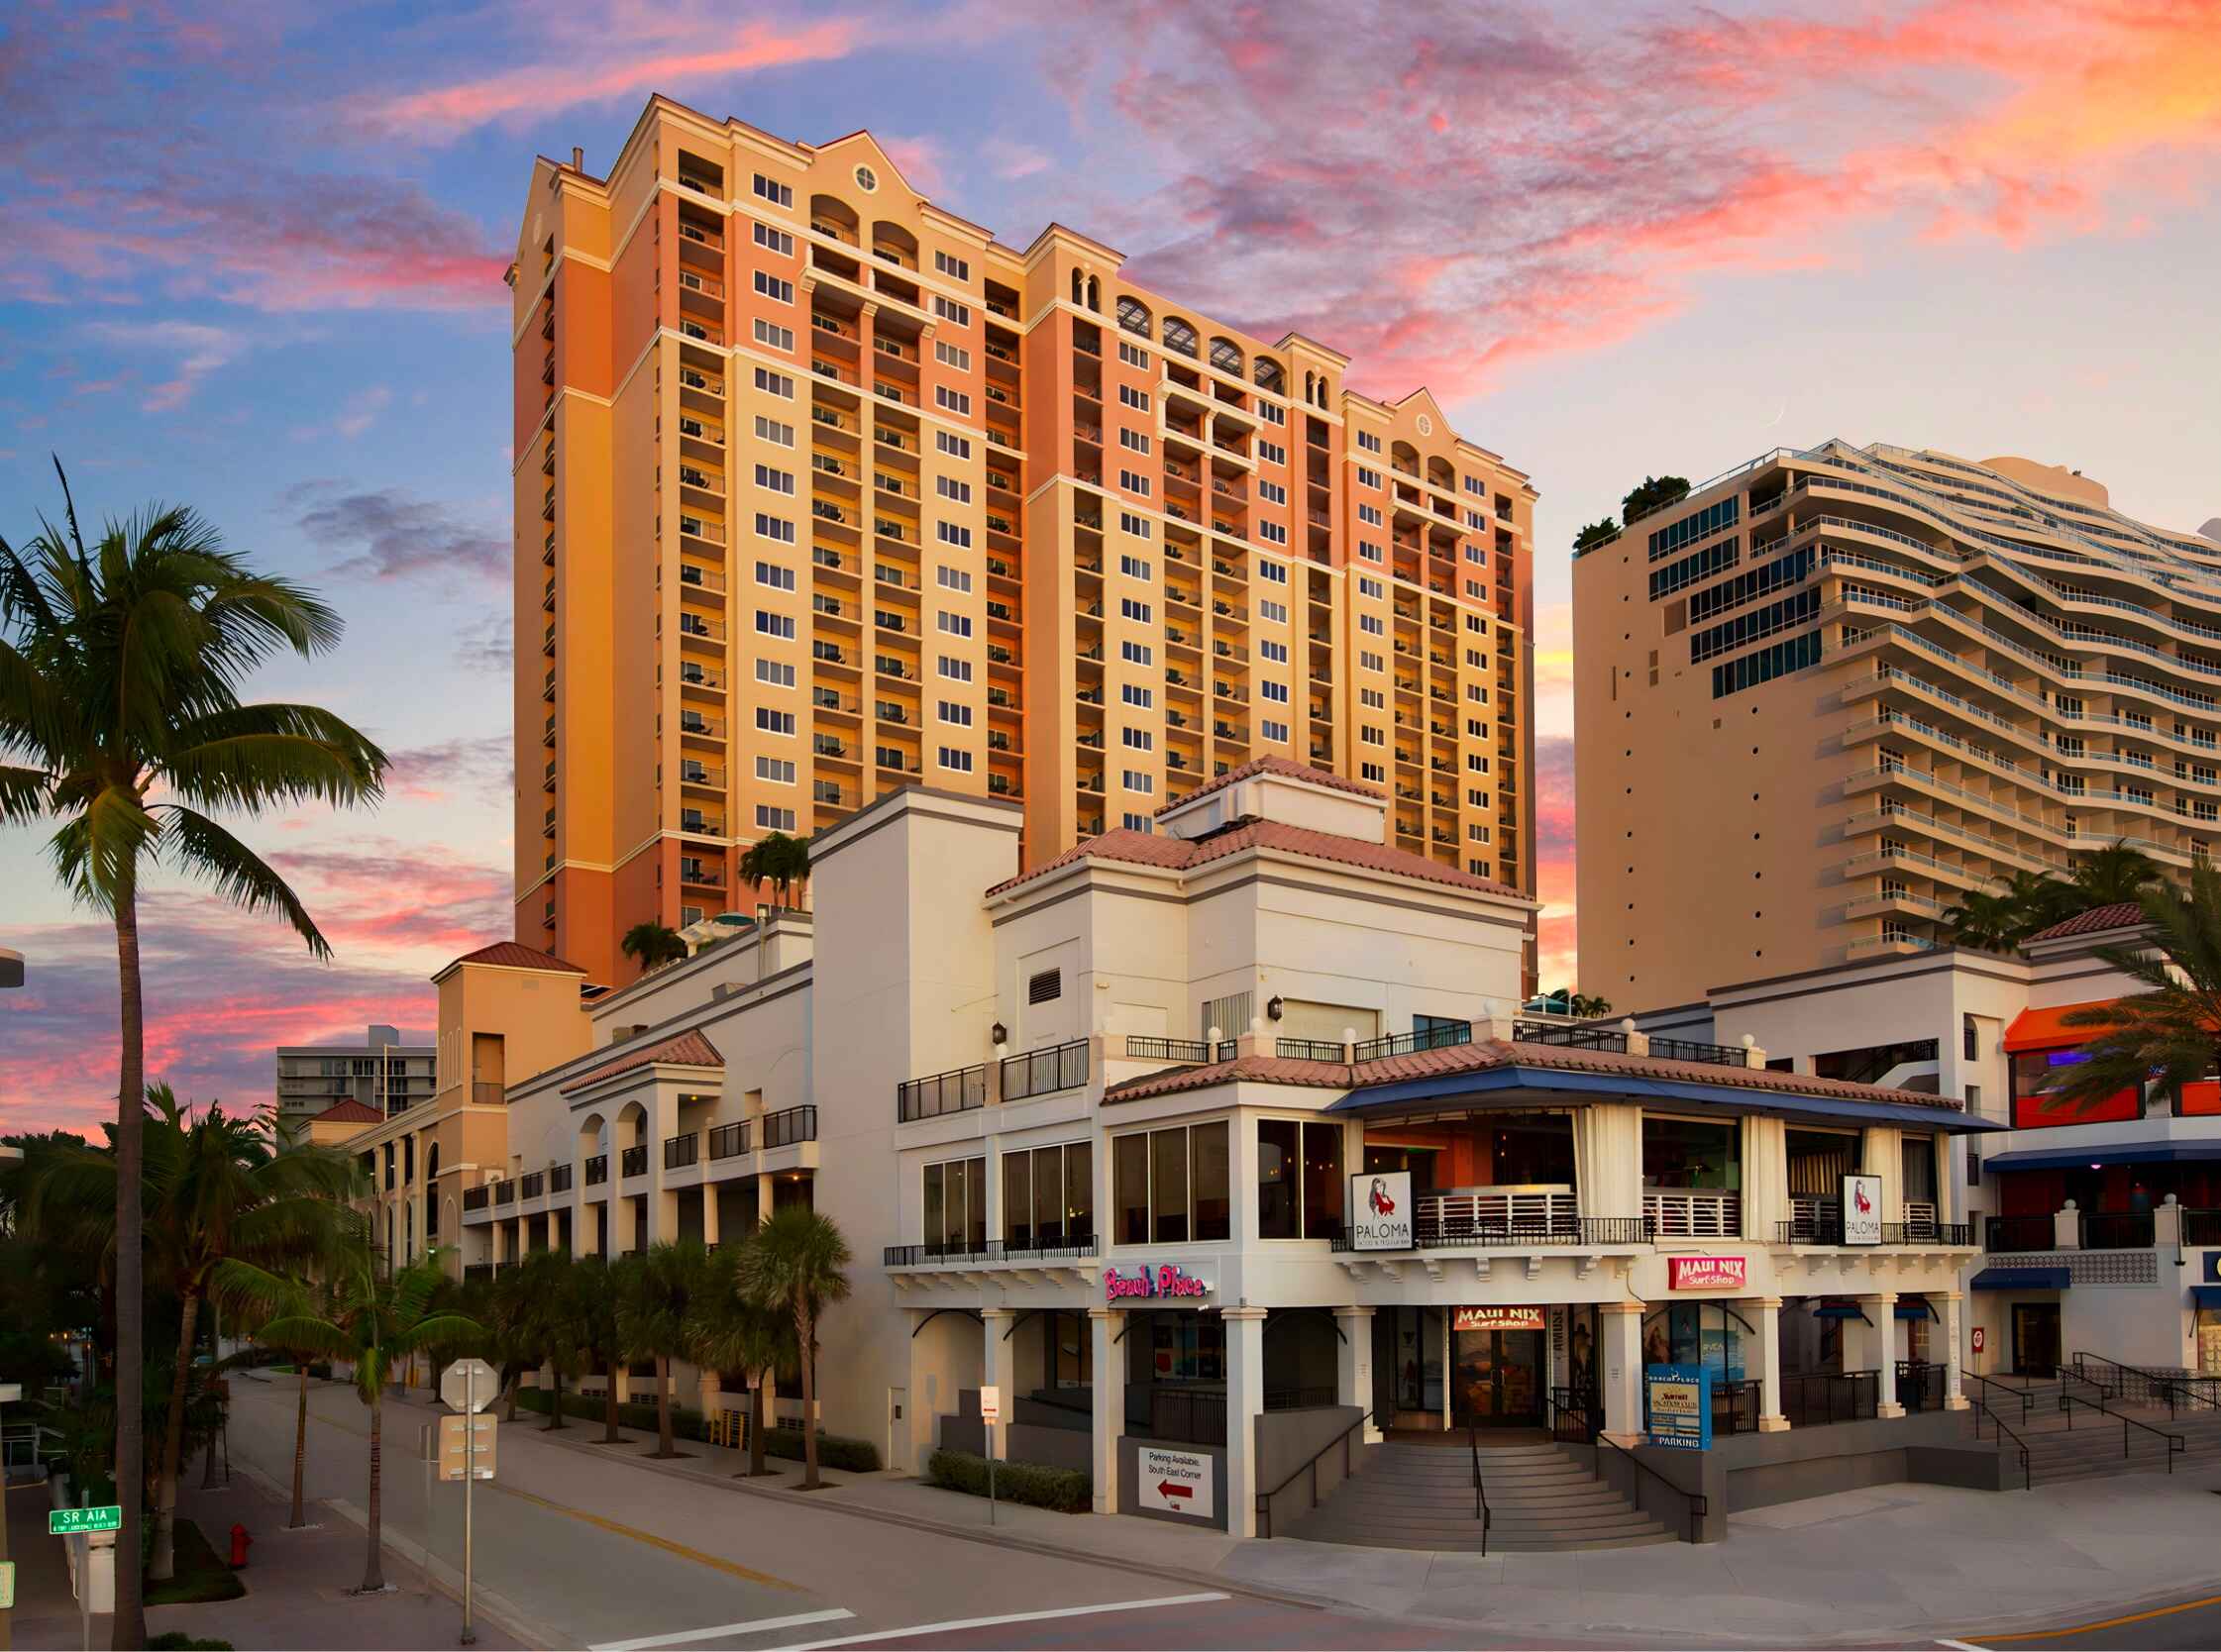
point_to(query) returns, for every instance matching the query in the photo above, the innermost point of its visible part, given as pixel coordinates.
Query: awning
(2160, 1152)
(2205, 1295)
(1833, 1308)
(1915, 1307)
(2047, 1029)
(2019, 1279)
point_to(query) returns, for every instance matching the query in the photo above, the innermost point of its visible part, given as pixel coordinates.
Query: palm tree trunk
(609, 1434)
(809, 1402)
(374, 1570)
(756, 1432)
(300, 1445)
(129, 1628)
(555, 1418)
(163, 1564)
(664, 1447)
(509, 1394)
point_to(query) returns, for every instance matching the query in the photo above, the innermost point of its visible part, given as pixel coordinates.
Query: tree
(727, 1331)
(781, 861)
(509, 1331)
(1653, 493)
(592, 1286)
(550, 1319)
(2168, 1035)
(1588, 1007)
(654, 1291)
(315, 1297)
(120, 676)
(375, 1319)
(651, 945)
(797, 1264)
(2115, 875)
(1596, 533)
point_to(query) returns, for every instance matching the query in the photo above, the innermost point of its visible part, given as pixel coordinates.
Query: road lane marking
(2101, 1623)
(755, 1627)
(954, 1624)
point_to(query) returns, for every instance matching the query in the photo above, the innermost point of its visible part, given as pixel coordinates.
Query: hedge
(1067, 1490)
(834, 1451)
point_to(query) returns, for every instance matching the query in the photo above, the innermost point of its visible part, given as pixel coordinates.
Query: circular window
(1425, 425)
(867, 179)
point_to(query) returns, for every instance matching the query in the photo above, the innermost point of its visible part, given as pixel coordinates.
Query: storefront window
(1494, 1150)
(955, 1202)
(1168, 1184)
(2209, 1341)
(1048, 1196)
(1279, 1196)
(1322, 1181)
(1299, 1180)
(1168, 1196)
(1187, 1348)
(1214, 1177)
(1687, 1153)
(1710, 1334)
(1129, 1167)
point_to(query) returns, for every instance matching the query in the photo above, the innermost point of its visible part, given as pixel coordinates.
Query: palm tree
(2112, 876)
(653, 1294)
(781, 861)
(592, 1286)
(795, 1264)
(651, 944)
(119, 675)
(313, 1294)
(726, 1331)
(376, 1320)
(509, 1336)
(551, 1328)
(2168, 1035)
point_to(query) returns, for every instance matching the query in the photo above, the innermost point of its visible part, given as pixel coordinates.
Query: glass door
(1498, 1379)
(2035, 1339)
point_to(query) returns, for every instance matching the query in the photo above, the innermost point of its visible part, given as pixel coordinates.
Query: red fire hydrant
(239, 1542)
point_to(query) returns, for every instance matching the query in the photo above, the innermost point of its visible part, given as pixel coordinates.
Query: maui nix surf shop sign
(1381, 1211)
(1166, 1282)
(1491, 1317)
(1706, 1273)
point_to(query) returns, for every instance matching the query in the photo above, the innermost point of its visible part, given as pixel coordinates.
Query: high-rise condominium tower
(823, 491)
(1828, 696)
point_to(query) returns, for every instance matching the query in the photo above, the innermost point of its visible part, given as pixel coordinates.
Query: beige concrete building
(820, 489)
(1831, 692)
(384, 1073)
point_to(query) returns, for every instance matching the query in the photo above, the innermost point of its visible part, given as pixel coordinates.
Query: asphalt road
(2191, 1626)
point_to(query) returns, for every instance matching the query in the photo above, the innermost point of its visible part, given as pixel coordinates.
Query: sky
(250, 259)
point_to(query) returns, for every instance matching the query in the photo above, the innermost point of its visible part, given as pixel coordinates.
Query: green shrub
(1036, 1484)
(834, 1451)
(176, 1640)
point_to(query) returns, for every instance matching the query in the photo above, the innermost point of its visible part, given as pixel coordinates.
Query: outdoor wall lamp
(998, 1034)
(1274, 1006)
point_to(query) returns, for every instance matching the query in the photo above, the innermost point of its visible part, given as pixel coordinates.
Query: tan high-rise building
(1826, 696)
(822, 490)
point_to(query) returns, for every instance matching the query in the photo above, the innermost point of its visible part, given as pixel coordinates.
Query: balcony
(987, 1252)
(957, 1091)
(474, 1199)
(634, 1162)
(787, 1127)
(1693, 1213)
(504, 1192)
(597, 1170)
(534, 1184)
(681, 1151)
(728, 1141)
(1044, 1071)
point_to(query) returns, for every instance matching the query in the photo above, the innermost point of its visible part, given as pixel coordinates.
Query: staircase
(2077, 1443)
(1421, 1496)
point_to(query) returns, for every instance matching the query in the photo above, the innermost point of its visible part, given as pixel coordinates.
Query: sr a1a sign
(1380, 1212)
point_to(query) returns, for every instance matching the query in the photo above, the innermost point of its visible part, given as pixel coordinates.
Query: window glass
(1017, 1203)
(1684, 1153)
(1213, 1181)
(936, 1203)
(1129, 1166)
(1079, 1189)
(1322, 1181)
(1048, 1196)
(1920, 1169)
(1169, 1151)
(1277, 1187)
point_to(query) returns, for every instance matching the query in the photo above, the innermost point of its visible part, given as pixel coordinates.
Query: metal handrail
(1993, 1383)
(2028, 1480)
(2175, 1443)
(2172, 1385)
(1481, 1510)
(1264, 1498)
(1700, 1505)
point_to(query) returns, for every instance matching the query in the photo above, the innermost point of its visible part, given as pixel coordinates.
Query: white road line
(955, 1623)
(757, 1628)
(1962, 1646)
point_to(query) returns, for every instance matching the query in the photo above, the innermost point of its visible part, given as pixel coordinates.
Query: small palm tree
(726, 1331)
(509, 1338)
(652, 945)
(592, 1286)
(120, 667)
(551, 1330)
(376, 1320)
(2168, 1035)
(781, 861)
(654, 1291)
(796, 1264)
(2114, 875)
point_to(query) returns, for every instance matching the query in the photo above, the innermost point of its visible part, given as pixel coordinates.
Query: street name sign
(1176, 1481)
(63, 1523)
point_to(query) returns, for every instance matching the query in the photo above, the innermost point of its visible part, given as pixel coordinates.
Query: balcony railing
(597, 1170)
(1404, 1044)
(1452, 1231)
(1142, 1048)
(1044, 1071)
(956, 1091)
(1309, 1048)
(1821, 1397)
(788, 1126)
(727, 1141)
(1694, 1213)
(681, 1151)
(1687, 1049)
(558, 1178)
(504, 1192)
(634, 1161)
(2020, 1234)
(989, 1250)
(474, 1199)
(535, 1185)
(1577, 1038)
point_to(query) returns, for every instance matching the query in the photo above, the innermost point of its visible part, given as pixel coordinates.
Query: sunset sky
(251, 258)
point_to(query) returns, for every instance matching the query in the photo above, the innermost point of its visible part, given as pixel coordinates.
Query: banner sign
(1493, 1318)
(1168, 1282)
(1175, 1483)
(1677, 1405)
(1706, 1273)
(1380, 1207)
(1862, 1207)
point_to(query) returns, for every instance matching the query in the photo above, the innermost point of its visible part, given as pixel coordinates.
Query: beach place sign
(1706, 1273)
(1167, 1282)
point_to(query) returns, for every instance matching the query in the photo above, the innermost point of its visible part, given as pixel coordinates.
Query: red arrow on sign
(1166, 1489)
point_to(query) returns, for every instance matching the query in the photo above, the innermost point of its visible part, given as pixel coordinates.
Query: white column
(1954, 1398)
(1448, 1372)
(1245, 1402)
(1353, 1371)
(1882, 1310)
(1106, 1377)
(1620, 1363)
(709, 1209)
(1771, 1420)
(994, 1371)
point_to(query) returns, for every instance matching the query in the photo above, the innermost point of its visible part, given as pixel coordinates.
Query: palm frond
(196, 845)
(246, 757)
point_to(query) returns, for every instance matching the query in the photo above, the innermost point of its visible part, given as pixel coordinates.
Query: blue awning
(2112, 1153)
(1510, 1085)
(1915, 1307)
(1841, 1310)
(2205, 1295)
(2019, 1279)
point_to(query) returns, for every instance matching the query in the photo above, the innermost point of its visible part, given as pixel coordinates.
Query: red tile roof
(1285, 767)
(350, 1112)
(2119, 915)
(687, 1049)
(1151, 848)
(513, 955)
(1492, 1054)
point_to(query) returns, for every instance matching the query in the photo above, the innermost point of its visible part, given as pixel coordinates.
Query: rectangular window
(1368, 441)
(1689, 529)
(777, 771)
(1135, 781)
(774, 241)
(1368, 549)
(769, 624)
(1168, 1178)
(1128, 608)
(774, 337)
(953, 711)
(1367, 477)
(952, 355)
(1133, 355)
(952, 759)
(1272, 533)
(775, 384)
(951, 401)
(773, 819)
(1139, 526)
(956, 269)
(775, 722)
(1271, 452)
(1758, 622)
(1276, 572)
(952, 579)
(955, 669)
(949, 487)
(1133, 693)
(1273, 691)
(1272, 730)
(1135, 568)
(1277, 652)
(1762, 580)
(1370, 515)
(779, 435)
(1272, 412)
(955, 445)
(1793, 654)
(1268, 609)
(950, 311)
(774, 289)
(1271, 492)
(1138, 401)
(955, 625)
(774, 479)
(1372, 625)
(1140, 740)
(1136, 654)
(774, 527)
(1134, 483)
(775, 672)
(1134, 440)
(949, 533)
(772, 190)
(777, 578)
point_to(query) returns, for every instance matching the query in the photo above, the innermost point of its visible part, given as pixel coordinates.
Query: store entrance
(1497, 1378)
(2035, 1339)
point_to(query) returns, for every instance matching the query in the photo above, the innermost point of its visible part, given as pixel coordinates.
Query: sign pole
(990, 1474)
(469, 1453)
(84, 1592)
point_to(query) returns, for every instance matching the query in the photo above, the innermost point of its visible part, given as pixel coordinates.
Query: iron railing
(957, 1091)
(2117, 1230)
(1309, 1048)
(633, 1160)
(1694, 1050)
(1576, 1038)
(2144, 1387)
(2175, 1443)
(1481, 1510)
(681, 1151)
(534, 1184)
(1044, 1071)
(991, 1249)
(1562, 1230)
(558, 1178)
(2028, 1480)
(504, 1192)
(2019, 1233)
(1191, 1417)
(1444, 1036)
(1812, 1398)
(788, 1126)
(2000, 1394)
(597, 1170)
(727, 1141)
(1140, 1047)
(1738, 1405)
(1697, 1503)
(1825, 1227)
(474, 1199)
(2201, 1227)
(1920, 1384)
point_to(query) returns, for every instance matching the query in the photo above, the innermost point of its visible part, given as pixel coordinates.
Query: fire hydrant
(239, 1542)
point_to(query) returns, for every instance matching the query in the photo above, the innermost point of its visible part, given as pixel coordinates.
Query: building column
(1884, 1338)
(766, 1185)
(1954, 1398)
(1771, 1419)
(1353, 1364)
(995, 1373)
(1106, 1377)
(708, 1212)
(1621, 1362)
(586, 1232)
(1448, 1372)
(1245, 1402)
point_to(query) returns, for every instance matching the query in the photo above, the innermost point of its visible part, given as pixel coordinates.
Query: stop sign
(468, 1385)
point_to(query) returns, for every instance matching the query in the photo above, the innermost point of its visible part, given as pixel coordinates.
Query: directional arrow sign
(1176, 1481)
(1166, 1489)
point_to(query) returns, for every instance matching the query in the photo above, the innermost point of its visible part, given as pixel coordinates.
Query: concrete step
(1540, 1498)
